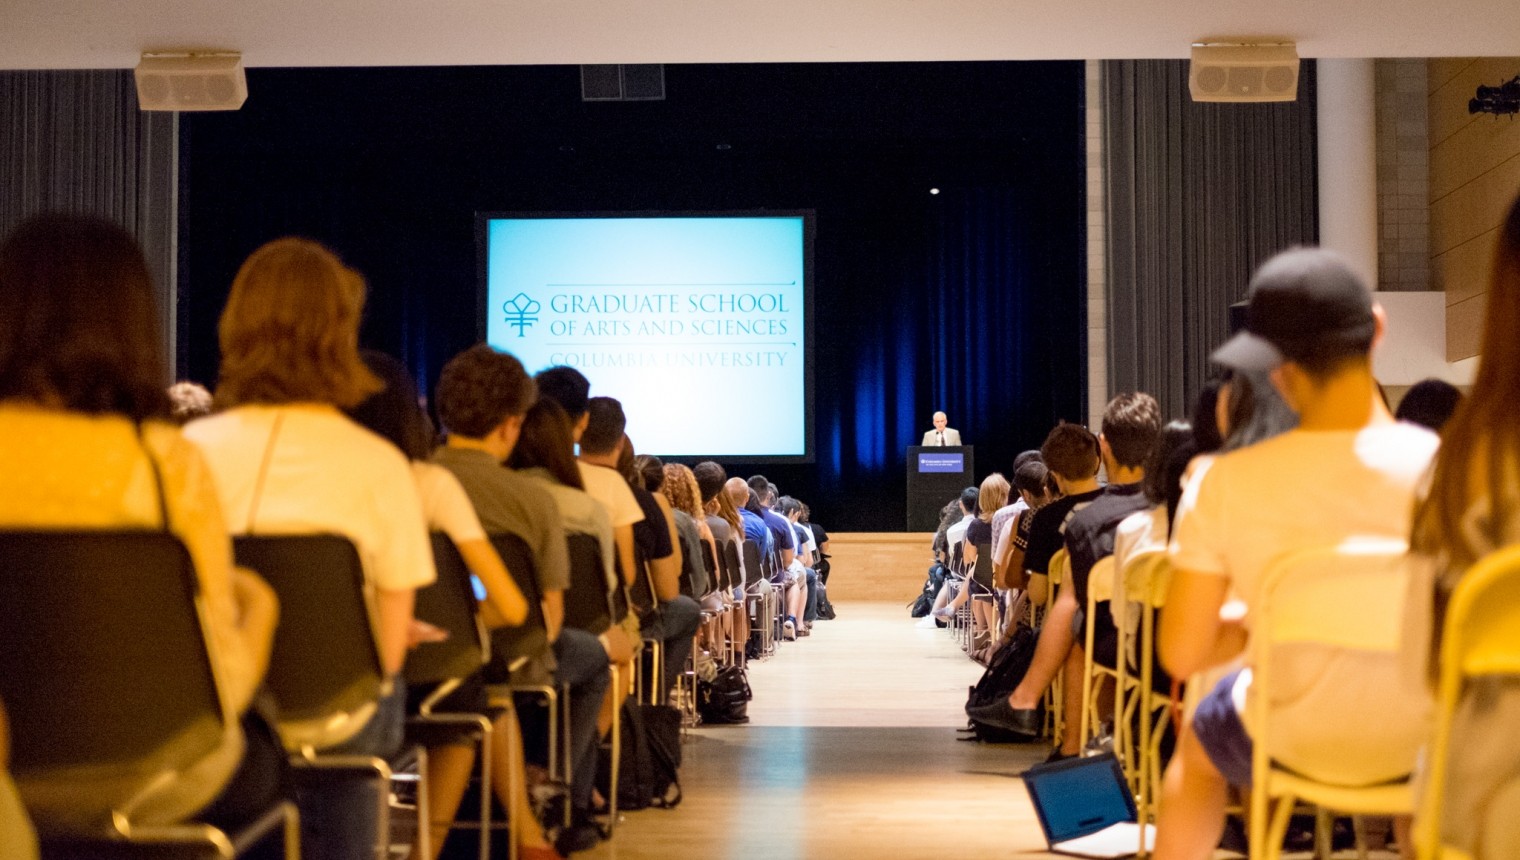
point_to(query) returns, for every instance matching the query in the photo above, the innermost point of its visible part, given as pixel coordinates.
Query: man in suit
(941, 435)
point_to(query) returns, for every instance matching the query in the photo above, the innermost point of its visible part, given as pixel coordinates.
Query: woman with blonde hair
(288, 461)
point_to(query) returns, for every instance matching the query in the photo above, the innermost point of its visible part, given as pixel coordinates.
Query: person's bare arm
(622, 536)
(1193, 634)
(554, 613)
(666, 571)
(1000, 576)
(394, 609)
(503, 597)
(258, 615)
(786, 557)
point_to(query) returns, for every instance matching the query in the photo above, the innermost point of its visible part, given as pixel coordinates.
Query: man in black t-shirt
(1070, 453)
(1131, 423)
(665, 613)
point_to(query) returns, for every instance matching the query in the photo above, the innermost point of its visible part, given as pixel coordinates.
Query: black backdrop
(970, 300)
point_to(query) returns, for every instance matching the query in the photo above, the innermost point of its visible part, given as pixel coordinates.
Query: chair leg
(616, 760)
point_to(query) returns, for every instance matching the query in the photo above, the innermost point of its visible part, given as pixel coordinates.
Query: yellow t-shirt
(69, 470)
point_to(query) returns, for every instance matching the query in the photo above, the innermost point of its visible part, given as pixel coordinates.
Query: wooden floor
(850, 752)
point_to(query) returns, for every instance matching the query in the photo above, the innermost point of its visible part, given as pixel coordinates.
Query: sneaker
(927, 623)
(944, 613)
(789, 631)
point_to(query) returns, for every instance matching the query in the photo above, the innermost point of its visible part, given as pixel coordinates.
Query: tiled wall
(1403, 176)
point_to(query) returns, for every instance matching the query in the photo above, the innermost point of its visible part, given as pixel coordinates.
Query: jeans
(340, 817)
(583, 668)
(674, 626)
(810, 609)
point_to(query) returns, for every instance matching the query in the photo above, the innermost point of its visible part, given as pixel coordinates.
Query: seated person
(286, 461)
(665, 614)
(483, 396)
(393, 414)
(1312, 327)
(954, 594)
(1071, 454)
(88, 446)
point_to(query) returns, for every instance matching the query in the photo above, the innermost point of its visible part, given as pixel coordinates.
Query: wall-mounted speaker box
(1243, 73)
(610, 82)
(191, 82)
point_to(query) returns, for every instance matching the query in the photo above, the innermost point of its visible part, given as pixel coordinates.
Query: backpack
(725, 699)
(825, 608)
(1004, 672)
(649, 758)
(924, 603)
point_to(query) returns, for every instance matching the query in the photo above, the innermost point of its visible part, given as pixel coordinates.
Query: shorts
(1223, 736)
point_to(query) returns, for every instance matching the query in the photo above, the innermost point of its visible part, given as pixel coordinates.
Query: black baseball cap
(1301, 303)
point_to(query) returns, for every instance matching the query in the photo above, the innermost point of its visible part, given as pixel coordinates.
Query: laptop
(1085, 808)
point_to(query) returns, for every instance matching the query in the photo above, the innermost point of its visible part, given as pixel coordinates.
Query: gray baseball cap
(1301, 302)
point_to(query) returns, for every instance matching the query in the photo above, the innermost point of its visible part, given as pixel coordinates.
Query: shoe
(927, 623)
(944, 613)
(789, 631)
(1000, 714)
(577, 838)
(1056, 755)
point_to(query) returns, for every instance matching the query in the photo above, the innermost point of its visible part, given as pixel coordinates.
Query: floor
(850, 752)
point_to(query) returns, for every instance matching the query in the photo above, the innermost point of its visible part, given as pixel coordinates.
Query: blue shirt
(755, 530)
(781, 529)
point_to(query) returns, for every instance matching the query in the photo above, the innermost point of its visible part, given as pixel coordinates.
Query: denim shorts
(1223, 736)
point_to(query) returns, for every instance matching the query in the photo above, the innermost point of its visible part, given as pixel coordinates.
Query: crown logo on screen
(522, 312)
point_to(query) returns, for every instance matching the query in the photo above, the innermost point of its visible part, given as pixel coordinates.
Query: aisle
(850, 753)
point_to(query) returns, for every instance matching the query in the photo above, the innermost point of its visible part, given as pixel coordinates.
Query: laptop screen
(1079, 796)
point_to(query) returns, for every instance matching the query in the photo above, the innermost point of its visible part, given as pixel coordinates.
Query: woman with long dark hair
(88, 446)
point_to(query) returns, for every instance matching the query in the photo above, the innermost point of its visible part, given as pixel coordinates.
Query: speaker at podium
(936, 475)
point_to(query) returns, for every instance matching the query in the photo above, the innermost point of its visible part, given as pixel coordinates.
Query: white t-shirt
(324, 474)
(957, 533)
(1242, 510)
(445, 505)
(608, 487)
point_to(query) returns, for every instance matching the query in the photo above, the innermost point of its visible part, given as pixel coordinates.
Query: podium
(936, 475)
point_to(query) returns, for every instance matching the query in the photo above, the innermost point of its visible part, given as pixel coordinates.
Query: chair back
(1100, 581)
(103, 668)
(711, 566)
(588, 604)
(1481, 637)
(754, 565)
(1340, 599)
(449, 604)
(1057, 569)
(324, 671)
(509, 644)
(733, 569)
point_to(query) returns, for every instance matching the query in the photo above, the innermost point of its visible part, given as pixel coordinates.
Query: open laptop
(1085, 808)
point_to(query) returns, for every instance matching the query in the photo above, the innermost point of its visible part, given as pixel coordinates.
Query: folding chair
(512, 647)
(1481, 637)
(449, 604)
(1146, 579)
(111, 696)
(1100, 589)
(764, 604)
(324, 671)
(1054, 694)
(1304, 600)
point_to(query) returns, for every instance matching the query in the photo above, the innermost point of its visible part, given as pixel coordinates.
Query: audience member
(1429, 403)
(601, 441)
(82, 411)
(679, 487)
(978, 556)
(286, 461)
(188, 401)
(1472, 508)
(1311, 326)
(1031, 482)
(482, 398)
(1131, 422)
(672, 618)
(1251, 410)
(393, 413)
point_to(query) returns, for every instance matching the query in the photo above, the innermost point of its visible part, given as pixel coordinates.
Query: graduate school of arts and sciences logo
(521, 311)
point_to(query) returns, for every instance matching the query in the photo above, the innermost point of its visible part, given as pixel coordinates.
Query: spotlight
(933, 190)
(1501, 100)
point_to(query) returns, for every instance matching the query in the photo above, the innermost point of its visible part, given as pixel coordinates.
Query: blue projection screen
(698, 324)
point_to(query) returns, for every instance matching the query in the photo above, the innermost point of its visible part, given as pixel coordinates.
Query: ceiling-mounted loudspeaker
(191, 81)
(1243, 73)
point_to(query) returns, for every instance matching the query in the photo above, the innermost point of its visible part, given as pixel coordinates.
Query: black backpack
(1004, 672)
(649, 758)
(825, 608)
(924, 603)
(725, 699)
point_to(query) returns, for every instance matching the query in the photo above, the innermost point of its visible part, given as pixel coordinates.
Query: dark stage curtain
(1198, 196)
(74, 141)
